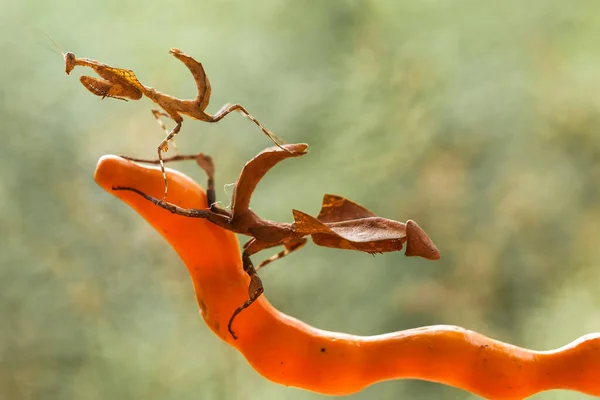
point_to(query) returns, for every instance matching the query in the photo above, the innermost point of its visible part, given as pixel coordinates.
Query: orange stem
(290, 352)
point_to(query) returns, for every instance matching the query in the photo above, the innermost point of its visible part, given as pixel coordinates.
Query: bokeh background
(478, 119)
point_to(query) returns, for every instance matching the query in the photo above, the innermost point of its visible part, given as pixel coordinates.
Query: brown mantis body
(123, 84)
(340, 224)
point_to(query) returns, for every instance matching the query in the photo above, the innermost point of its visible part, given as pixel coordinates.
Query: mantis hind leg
(255, 290)
(290, 246)
(254, 245)
(229, 108)
(205, 162)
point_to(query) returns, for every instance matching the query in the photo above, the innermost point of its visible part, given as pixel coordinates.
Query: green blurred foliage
(478, 119)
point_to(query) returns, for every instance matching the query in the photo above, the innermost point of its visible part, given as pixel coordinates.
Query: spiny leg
(158, 114)
(228, 108)
(290, 246)
(255, 289)
(164, 146)
(165, 160)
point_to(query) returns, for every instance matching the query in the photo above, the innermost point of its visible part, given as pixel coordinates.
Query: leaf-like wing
(336, 208)
(123, 76)
(370, 234)
(307, 225)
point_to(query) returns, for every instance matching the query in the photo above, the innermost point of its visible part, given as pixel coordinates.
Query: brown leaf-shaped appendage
(343, 224)
(255, 170)
(113, 82)
(123, 77)
(419, 243)
(336, 209)
(197, 70)
(103, 88)
(370, 235)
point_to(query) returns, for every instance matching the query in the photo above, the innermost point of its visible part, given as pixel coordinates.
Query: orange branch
(292, 353)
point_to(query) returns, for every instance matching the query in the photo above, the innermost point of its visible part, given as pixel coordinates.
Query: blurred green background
(478, 119)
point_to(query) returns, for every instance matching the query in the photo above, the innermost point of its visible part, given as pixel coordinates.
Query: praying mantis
(341, 223)
(123, 84)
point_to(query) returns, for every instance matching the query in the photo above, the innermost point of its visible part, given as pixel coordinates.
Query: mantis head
(70, 60)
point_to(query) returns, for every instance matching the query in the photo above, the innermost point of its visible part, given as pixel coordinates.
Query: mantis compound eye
(69, 62)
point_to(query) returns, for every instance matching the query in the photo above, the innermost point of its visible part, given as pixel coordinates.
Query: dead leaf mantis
(122, 84)
(341, 223)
